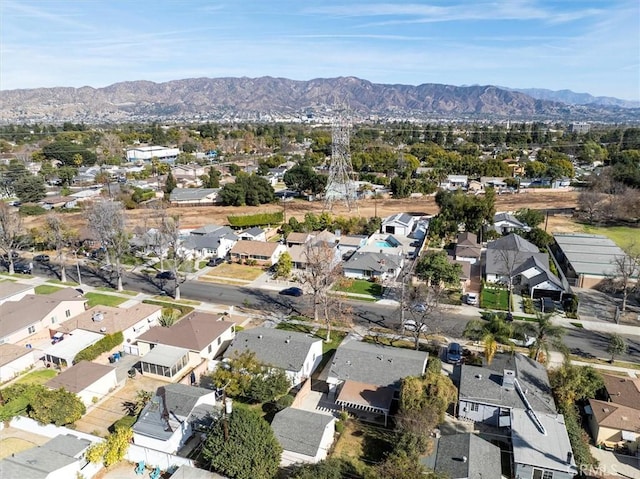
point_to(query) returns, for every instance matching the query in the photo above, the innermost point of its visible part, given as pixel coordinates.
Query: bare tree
(423, 304)
(508, 261)
(58, 235)
(626, 273)
(170, 230)
(322, 270)
(11, 233)
(107, 220)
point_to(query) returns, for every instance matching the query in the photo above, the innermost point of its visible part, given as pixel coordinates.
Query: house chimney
(569, 457)
(508, 379)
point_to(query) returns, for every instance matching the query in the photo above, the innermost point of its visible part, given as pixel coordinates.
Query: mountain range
(272, 99)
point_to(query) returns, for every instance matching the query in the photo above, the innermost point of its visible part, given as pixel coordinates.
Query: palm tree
(546, 335)
(490, 347)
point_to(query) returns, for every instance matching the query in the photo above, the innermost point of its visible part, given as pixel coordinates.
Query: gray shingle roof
(370, 261)
(300, 431)
(513, 242)
(499, 261)
(255, 231)
(206, 229)
(172, 405)
(544, 275)
(209, 240)
(375, 364)
(483, 458)
(282, 349)
(39, 462)
(510, 218)
(484, 384)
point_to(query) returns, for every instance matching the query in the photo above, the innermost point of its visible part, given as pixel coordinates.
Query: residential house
(374, 266)
(170, 353)
(10, 291)
(150, 241)
(454, 182)
(388, 244)
(541, 447)
(506, 254)
(305, 436)
(349, 244)
(58, 202)
(488, 394)
(315, 248)
(505, 223)
(173, 416)
(467, 248)
(398, 224)
(296, 353)
(205, 230)
(365, 378)
(295, 238)
(34, 314)
(61, 457)
(496, 182)
(586, 260)
(194, 196)
(253, 234)
(534, 276)
(262, 252)
(89, 381)
(14, 360)
(188, 175)
(464, 456)
(622, 390)
(64, 352)
(614, 425)
(215, 244)
(131, 322)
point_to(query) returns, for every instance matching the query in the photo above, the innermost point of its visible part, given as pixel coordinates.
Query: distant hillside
(573, 98)
(279, 98)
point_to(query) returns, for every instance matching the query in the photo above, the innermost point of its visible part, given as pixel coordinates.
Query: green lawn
(621, 235)
(103, 300)
(494, 299)
(336, 339)
(299, 328)
(47, 289)
(361, 286)
(40, 376)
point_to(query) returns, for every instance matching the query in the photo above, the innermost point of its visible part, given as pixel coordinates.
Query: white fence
(153, 458)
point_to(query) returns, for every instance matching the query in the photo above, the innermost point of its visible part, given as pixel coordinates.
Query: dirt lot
(104, 414)
(193, 217)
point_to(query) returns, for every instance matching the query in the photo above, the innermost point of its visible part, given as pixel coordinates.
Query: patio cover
(71, 345)
(366, 397)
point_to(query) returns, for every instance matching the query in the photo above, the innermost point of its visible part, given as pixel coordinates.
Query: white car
(472, 299)
(411, 325)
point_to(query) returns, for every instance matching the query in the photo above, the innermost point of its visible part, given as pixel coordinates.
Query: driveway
(616, 465)
(106, 412)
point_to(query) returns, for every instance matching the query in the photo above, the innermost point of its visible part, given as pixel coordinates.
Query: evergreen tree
(170, 184)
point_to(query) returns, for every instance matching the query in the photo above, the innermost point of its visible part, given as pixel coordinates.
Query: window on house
(540, 474)
(53, 320)
(209, 349)
(67, 313)
(32, 329)
(474, 407)
(219, 341)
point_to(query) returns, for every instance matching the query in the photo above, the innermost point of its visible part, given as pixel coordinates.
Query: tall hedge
(107, 343)
(259, 219)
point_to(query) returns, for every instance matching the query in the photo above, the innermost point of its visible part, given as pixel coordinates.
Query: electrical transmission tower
(340, 186)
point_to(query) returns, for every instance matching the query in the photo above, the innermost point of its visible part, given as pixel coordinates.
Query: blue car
(292, 292)
(454, 353)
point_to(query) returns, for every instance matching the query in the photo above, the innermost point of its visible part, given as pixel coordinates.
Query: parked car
(472, 299)
(293, 291)
(42, 258)
(215, 261)
(411, 325)
(419, 308)
(165, 275)
(23, 268)
(14, 255)
(454, 353)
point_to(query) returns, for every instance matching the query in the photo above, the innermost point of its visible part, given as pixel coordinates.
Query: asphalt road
(588, 344)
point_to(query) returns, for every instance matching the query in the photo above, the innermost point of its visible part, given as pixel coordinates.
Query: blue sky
(582, 45)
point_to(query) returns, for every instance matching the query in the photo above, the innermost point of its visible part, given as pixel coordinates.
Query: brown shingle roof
(8, 288)
(623, 391)
(194, 332)
(299, 238)
(113, 319)
(255, 248)
(615, 416)
(79, 376)
(30, 309)
(10, 352)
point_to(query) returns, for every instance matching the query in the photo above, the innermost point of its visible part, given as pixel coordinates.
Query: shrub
(107, 343)
(32, 210)
(527, 304)
(283, 402)
(339, 426)
(259, 219)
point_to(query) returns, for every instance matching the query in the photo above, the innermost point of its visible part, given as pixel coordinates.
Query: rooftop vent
(97, 316)
(259, 336)
(508, 377)
(478, 376)
(287, 340)
(464, 458)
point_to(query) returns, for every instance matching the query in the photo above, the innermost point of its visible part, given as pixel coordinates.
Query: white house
(454, 182)
(64, 352)
(505, 223)
(216, 243)
(193, 196)
(263, 252)
(89, 381)
(305, 436)
(132, 322)
(14, 360)
(34, 314)
(173, 415)
(147, 153)
(296, 353)
(398, 224)
(253, 234)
